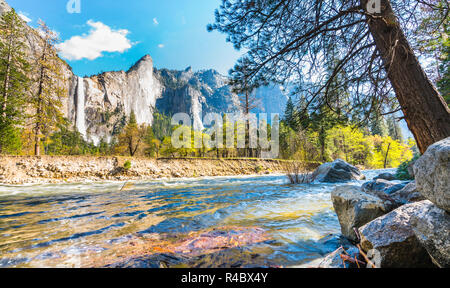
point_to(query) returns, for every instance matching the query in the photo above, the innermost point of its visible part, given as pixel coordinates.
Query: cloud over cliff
(101, 38)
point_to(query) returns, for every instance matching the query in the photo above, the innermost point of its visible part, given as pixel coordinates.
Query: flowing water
(85, 225)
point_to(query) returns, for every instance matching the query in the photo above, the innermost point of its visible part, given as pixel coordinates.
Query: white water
(80, 118)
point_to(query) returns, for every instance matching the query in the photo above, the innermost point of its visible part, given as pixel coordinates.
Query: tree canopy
(290, 41)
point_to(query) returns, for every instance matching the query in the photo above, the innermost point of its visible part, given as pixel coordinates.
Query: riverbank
(73, 169)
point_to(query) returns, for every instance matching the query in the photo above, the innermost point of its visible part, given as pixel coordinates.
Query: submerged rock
(431, 225)
(337, 171)
(391, 241)
(151, 261)
(385, 176)
(409, 194)
(355, 208)
(432, 172)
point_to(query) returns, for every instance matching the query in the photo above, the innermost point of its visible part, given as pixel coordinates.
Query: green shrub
(402, 170)
(127, 165)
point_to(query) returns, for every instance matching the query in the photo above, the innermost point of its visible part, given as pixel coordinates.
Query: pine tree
(289, 114)
(14, 81)
(46, 102)
(377, 122)
(395, 132)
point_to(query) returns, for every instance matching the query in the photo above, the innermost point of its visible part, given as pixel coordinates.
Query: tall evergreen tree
(47, 100)
(289, 114)
(14, 81)
(394, 129)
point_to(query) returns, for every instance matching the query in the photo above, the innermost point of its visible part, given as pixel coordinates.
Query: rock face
(337, 171)
(385, 176)
(432, 172)
(408, 194)
(99, 105)
(393, 240)
(109, 97)
(355, 208)
(431, 226)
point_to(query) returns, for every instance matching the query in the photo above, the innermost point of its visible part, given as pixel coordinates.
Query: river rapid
(251, 221)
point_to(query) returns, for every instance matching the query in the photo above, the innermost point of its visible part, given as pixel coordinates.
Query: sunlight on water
(78, 225)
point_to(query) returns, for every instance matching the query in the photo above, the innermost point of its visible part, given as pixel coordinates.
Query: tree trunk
(386, 157)
(426, 112)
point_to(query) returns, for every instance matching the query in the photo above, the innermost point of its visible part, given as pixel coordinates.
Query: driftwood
(358, 236)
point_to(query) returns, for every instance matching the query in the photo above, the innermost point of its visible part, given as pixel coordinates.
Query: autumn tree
(14, 80)
(46, 102)
(132, 137)
(288, 40)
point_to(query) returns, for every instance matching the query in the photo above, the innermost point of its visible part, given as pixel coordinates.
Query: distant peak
(146, 58)
(143, 62)
(188, 69)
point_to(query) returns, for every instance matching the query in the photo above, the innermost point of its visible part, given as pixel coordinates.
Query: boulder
(337, 171)
(391, 241)
(381, 185)
(410, 168)
(432, 172)
(431, 225)
(332, 260)
(355, 207)
(409, 194)
(386, 176)
(378, 185)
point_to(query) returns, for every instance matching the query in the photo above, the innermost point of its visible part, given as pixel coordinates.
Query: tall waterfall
(80, 117)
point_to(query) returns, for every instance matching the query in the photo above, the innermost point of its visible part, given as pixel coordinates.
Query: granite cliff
(98, 105)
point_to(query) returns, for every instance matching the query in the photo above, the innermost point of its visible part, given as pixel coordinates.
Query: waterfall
(80, 117)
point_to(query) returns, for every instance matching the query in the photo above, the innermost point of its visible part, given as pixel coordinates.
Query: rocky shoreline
(393, 225)
(73, 169)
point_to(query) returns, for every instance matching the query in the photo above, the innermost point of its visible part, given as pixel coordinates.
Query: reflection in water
(80, 225)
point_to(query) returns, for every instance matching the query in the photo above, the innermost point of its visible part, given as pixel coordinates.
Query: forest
(319, 129)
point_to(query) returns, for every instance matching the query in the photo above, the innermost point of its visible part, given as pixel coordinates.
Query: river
(252, 221)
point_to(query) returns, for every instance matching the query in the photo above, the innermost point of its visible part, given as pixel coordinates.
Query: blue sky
(173, 32)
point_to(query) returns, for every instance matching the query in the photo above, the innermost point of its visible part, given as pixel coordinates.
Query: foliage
(402, 170)
(14, 82)
(127, 165)
(132, 139)
(46, 102)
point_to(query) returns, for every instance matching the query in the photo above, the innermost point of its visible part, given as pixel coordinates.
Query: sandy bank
(58, 169)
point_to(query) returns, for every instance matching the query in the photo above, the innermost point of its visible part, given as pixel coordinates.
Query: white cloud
(101, 38)
(24, 16)
(155, 21)
(161, 46)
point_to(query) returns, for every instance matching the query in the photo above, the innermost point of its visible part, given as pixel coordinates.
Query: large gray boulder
(392, 242)
(409, 194)
(355, 207)
(432, 172)
(431, 225)
(337, 171)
